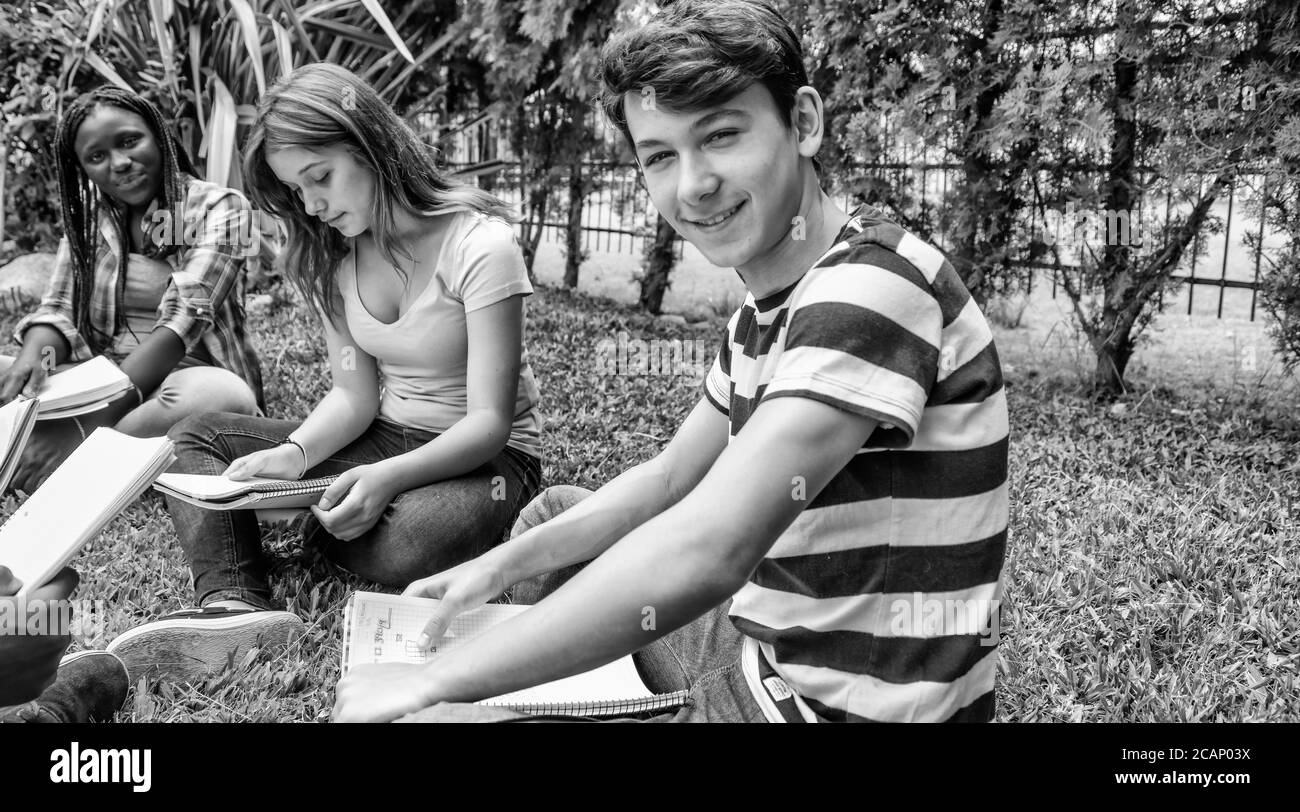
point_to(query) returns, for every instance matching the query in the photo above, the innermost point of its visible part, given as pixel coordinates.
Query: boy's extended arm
(629, 500)
(669, 570)
(585, 530)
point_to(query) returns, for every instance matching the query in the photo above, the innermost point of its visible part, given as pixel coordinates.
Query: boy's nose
(696, 182)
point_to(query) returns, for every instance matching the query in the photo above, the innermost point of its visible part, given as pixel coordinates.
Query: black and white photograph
(772, 361)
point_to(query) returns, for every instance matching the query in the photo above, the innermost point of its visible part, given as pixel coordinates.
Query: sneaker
(192, 644)
(90, 687)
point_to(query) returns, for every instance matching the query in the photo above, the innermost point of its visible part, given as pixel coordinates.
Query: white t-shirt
(422, 356)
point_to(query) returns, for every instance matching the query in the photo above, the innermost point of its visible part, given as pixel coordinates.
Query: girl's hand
(26, 377)
(462, 588)
(356, 500)
(281, 462)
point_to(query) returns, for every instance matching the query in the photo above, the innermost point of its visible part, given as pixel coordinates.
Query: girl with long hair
(150, 273)
(430, 422)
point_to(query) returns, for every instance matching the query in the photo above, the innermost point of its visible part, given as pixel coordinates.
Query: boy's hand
(459, 589)
(381, 692)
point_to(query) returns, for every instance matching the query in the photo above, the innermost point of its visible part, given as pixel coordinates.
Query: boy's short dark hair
(696, 54)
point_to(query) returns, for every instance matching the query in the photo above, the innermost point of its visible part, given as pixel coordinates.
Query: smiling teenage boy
(823, 538)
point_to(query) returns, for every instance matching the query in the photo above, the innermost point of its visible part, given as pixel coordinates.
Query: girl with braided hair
(150, 274)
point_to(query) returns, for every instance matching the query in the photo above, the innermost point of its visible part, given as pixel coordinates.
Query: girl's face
(331, 184)
(120, 155)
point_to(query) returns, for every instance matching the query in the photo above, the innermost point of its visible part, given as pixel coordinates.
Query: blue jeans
(423, 531)
(702, 657)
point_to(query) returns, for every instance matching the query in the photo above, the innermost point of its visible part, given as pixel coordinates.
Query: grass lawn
(1152, 572)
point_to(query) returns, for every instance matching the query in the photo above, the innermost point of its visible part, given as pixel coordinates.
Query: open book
(105, 474)
(16, 420)
(220, 493)
(380, 628)
(86, 387)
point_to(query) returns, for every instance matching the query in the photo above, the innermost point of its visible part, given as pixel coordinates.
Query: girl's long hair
(82, 200)
(321, 105)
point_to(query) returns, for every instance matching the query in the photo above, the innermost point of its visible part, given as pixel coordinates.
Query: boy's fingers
(437, 625)
(415, 588)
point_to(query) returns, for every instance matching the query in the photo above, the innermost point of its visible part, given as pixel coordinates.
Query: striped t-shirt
(879, 603)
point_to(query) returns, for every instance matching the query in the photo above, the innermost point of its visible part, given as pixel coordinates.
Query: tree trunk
(1120, 306)
(574, 255)
(658, 264)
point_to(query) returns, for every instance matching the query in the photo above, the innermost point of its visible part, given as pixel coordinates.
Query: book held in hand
(216, 492)
(77, 390)
(101, 477)
(17, 417)
(380, 628)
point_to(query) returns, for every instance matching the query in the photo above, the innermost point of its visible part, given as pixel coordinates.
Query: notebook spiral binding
(291, 488)
(617, 707)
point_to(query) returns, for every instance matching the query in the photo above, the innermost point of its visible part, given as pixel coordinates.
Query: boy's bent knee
(547, 505)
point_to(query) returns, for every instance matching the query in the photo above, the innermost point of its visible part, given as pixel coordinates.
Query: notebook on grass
(16, 420)
(220, 493)
(105, 474)
(380, 628)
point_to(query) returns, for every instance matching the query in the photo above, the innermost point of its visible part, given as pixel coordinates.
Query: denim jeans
(423, 531)
(702, 657)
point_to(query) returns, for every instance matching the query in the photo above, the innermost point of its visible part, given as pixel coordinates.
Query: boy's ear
(808, 119)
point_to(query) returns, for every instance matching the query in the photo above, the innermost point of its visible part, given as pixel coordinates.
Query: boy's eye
(653, 159)
(131, 140)
(717, 136)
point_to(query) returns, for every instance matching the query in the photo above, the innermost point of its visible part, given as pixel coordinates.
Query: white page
(384, 629)
(15, 427)
(209, 486)
(87, 382)
(93, 485)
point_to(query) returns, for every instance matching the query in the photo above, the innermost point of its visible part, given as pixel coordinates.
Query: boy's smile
(733, 180)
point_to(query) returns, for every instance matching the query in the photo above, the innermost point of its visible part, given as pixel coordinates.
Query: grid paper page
(384, 628)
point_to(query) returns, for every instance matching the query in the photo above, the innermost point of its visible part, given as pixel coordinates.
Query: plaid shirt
(220, 235)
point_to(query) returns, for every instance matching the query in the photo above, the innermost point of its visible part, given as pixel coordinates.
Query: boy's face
(726, 177)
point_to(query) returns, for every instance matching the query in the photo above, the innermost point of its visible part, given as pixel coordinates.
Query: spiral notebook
(379, 628)
(220, 493)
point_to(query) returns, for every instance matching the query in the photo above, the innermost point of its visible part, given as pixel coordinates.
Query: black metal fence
(618, 216)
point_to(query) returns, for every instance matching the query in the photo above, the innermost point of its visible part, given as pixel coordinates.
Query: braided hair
(81, 199)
